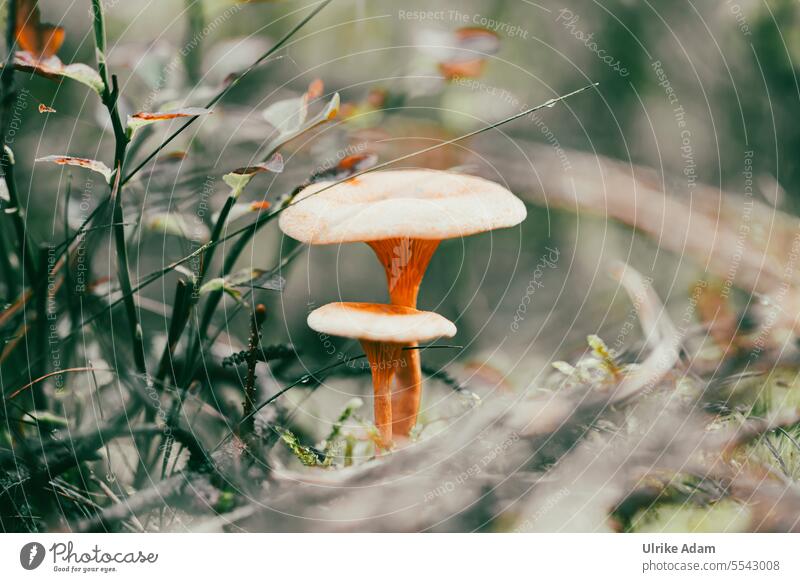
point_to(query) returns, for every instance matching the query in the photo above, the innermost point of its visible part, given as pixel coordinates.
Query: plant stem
(17, 214)
(250, 389)
(8, 98)
(110, 98)
(193, 59)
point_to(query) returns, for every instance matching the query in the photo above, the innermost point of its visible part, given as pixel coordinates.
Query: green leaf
(287, 115)
(48, 419)
(176, 224)
(256, 278)
(220, 284)
(330, 111)
(240, 178)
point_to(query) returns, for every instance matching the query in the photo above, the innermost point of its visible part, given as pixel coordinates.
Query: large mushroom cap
(422, 204)
(380, 323)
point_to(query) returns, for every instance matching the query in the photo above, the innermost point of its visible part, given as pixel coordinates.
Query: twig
(250, 391)
(16, 392)
(113, 497)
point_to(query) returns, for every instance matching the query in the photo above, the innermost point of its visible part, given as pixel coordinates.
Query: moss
(725, 516)
(304, 453)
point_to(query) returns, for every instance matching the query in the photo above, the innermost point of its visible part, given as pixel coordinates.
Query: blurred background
(718, 77)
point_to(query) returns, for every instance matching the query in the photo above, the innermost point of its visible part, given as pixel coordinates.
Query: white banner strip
(399, 557)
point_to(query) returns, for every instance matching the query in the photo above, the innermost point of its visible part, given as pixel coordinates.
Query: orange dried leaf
(471, 46)
(478, 39)
(53, 68)
(346, 167)
(165, 115)
(92, 165)
(40, 40)
(45, 108)
(138, 120)
(463, 69)
(315, 89)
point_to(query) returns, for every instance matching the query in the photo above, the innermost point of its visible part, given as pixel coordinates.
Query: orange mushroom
(383, 331)
(402, 215)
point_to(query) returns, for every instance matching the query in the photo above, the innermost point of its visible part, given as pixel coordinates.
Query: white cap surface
(423, 204)
(380, 323)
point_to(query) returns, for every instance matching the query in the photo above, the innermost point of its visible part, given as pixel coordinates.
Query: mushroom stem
(383, 361)
(407, 392)
(405, 261)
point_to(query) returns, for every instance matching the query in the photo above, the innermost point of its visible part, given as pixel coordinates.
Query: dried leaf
(241, 209)
(461, 53)
(143, 118)
(346, 167)
(40, 40)
(92, 165)
(45, 108)
(315, 89)
(480, 40)
(53, 68)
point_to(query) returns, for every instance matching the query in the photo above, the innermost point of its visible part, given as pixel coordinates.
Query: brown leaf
(40, 40)
(45, 108)
(166, 115)
(472, 45)
(346, 167)
(478, 39)
(92, 165)
(462, 69)
(53, 68)
(315, 89)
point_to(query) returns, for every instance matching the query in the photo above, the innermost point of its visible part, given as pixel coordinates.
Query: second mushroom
(384, 331)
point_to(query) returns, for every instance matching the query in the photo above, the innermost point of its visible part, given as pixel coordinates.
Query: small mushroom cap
(422, 204)
(380, 323)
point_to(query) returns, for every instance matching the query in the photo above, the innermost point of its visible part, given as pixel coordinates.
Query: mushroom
(383, 331)
(402, 215)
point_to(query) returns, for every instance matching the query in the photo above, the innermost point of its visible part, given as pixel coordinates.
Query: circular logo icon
(31, 555)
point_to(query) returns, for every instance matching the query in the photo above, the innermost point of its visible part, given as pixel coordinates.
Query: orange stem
(383, 360)
(405, 261)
